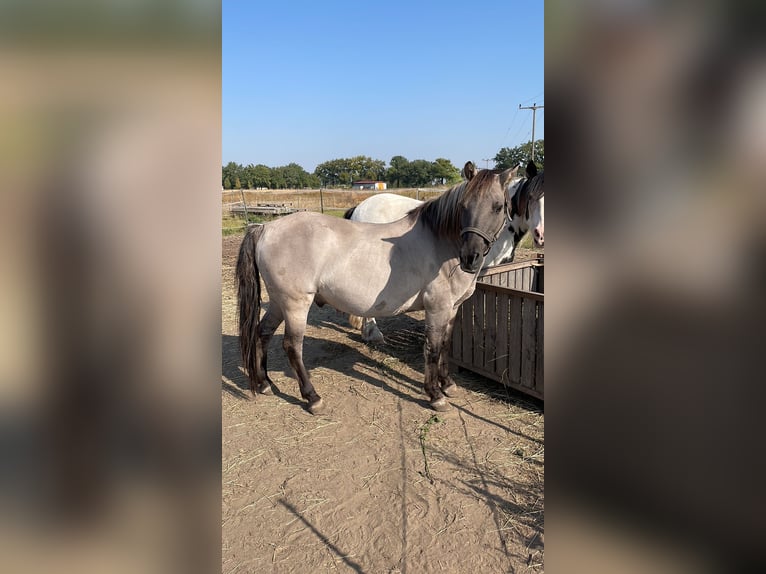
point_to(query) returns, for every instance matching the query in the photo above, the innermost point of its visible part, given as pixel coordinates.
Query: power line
(533, 97)
(513, 119)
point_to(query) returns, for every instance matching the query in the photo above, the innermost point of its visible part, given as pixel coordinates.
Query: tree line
(400, 172)
(519, 155)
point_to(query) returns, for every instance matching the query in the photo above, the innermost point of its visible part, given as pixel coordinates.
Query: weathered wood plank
(479, 316)
(501, 362)
(514, 340)
(510, 291)
(539, 348)
(490, 332)
(527, 348)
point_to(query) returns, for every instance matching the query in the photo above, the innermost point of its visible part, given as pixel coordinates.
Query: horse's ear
(507, 175)
(531, 169)
(469, 170)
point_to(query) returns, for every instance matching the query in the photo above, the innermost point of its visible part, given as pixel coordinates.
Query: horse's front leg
(446, 383)
(438, 332)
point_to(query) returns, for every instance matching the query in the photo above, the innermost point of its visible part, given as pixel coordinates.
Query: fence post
(321, 200)
(244, 204)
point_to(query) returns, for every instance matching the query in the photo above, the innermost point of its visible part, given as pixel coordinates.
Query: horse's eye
(497, 208)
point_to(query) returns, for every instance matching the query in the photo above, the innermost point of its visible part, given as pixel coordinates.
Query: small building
(368, 184)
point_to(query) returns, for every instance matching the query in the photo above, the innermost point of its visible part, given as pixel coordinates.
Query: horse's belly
(384, 308)
(364, 305)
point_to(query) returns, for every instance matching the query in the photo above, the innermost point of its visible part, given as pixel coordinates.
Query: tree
(345, 170)
(397, 171)
(231, 171)
(367, 168)
(519, 155)
(445, 172)
(261, 176)
(420, 172)
(342, 171)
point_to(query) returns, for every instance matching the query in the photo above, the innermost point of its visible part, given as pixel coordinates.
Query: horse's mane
(442, 214)
(527, 191)
(535, 186)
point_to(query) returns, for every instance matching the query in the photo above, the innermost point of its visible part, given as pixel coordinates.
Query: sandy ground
(378, 484)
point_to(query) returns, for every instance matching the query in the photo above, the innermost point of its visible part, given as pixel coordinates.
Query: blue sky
(308, 82)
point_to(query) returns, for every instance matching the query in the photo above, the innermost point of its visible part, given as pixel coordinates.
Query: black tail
(249, 298)
(349, 213)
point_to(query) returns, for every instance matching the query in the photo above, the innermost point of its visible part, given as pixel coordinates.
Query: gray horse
(428, 261)
(527, 213)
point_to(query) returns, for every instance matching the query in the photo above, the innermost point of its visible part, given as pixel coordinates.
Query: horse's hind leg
(266, 328)
(370, 331)
(368, 327)
(295, 329)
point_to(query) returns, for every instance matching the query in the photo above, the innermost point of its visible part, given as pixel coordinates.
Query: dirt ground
(378, 484)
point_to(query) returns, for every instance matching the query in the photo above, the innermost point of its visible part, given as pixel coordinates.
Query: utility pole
(486, 165)
(534, 107)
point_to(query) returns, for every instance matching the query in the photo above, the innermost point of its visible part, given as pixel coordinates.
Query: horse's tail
(349, 213)
(249, 298)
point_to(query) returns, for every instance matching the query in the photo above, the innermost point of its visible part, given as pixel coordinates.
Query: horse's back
(303, 233)
(384, 208)
(306, 248)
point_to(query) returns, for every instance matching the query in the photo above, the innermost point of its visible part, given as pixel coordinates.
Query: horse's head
(483, 208)
(528, 205)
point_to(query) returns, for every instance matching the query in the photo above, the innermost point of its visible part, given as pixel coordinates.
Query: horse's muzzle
(472, 253)
(472, 263)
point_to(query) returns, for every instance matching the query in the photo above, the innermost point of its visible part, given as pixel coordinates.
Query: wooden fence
(498, 331)
(331, 199)
(240, 208)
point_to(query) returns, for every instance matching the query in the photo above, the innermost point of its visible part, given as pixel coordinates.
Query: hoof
(317, 408)
(441, 405)
(265, 389)
(450, 390)
(371, 334)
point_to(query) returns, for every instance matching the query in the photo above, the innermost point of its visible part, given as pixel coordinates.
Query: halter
(483, 235)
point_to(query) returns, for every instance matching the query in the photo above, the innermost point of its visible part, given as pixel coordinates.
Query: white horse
(428, 260)
(527, 212)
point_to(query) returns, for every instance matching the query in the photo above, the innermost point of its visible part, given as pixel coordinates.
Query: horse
(527, 212)
(428, 260)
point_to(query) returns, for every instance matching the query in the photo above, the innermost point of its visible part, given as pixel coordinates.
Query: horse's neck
(519, 226)
(502, 249)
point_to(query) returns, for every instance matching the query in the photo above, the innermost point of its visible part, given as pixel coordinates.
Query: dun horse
(429, 260)
(527, 213)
